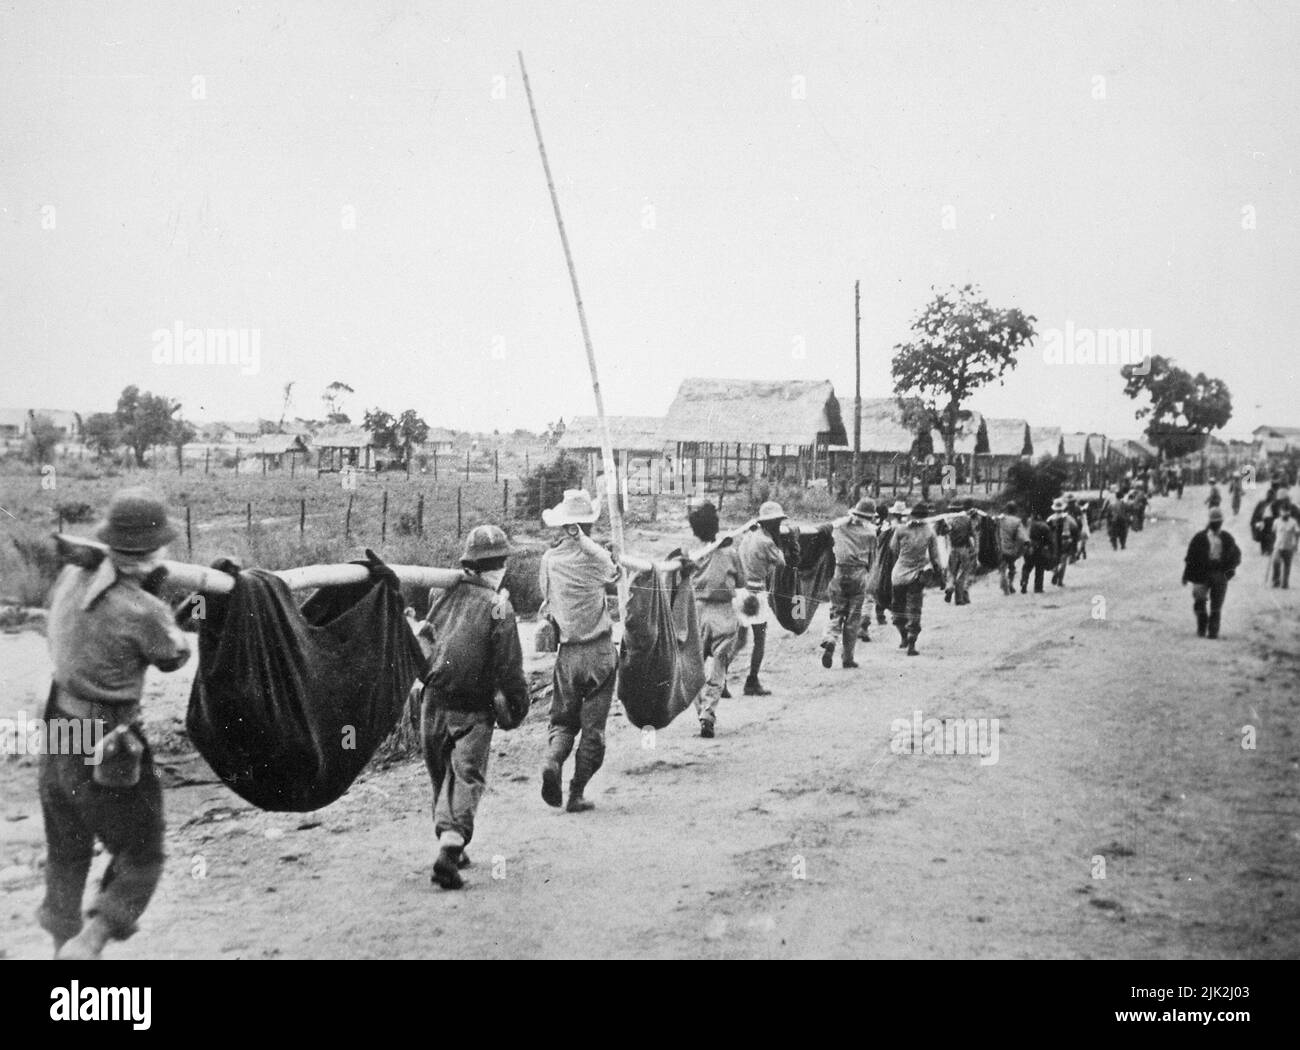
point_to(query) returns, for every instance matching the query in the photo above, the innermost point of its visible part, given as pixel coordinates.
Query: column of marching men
(106, 628)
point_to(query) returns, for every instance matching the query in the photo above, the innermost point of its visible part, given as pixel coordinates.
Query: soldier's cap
(136, 522)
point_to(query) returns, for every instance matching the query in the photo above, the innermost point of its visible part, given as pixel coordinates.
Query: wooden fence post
(505, 500)
(302, 518)
(419, 516)
(458, 521)
(207, 458)
(496, 466)
(248, 516)
(467, 464)
(435, 465)
(347, 520)
(236, 459)
(189, 535)
(383, 519)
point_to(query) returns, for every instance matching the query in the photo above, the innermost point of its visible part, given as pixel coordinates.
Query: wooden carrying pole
(200, 578)
(606, 444)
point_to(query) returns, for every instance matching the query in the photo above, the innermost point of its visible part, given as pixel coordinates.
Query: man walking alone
(916, 553)
(1212, 559)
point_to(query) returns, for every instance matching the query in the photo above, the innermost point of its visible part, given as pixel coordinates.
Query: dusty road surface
(798, 831)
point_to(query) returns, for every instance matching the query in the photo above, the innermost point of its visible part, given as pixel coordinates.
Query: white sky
(1124, 211)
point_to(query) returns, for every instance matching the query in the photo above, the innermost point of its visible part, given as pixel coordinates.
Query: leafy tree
(182, 433)
(382, 426)
(42, 437)
(1183, 409)
(266, 426)
(145, 420)
(102, 433)
(545, 486)
(411, 430)
(961, 344)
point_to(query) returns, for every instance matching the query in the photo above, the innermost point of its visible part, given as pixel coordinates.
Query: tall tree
(145, 420)
(960, 344)
(411, 431)
(1183, 408)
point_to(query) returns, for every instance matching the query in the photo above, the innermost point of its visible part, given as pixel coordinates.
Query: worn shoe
(726, 693)
(552, 793)
(911, 648)
(849, 665)
(578, 804)
(947, 596)
(446, 869)
(828, 654)
(753, 687)
(706, 730)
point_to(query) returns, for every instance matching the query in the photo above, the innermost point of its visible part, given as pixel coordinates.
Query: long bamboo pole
(606, 443)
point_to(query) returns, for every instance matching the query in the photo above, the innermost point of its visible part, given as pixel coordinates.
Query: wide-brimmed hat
(1216, 513)
(484, 542)
(866, 508)
(577, 508)
(1058, 503)
(968, 504)
(136, 522)
(704, 516)
(920, 511)
(899, 508)
(771, 511)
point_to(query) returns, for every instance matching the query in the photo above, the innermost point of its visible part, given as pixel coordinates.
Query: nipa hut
(888, 447)
(342, 446)
(637, 446)
(272, 450)
(1001, 444)
(727, 432)
(1046, 442)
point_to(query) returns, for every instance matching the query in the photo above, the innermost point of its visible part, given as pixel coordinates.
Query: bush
(545, 486)
(30, 580)
(74, 512)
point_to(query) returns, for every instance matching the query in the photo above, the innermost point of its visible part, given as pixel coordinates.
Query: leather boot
(577, 804)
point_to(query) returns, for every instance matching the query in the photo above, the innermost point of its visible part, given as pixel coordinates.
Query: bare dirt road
(797, 831)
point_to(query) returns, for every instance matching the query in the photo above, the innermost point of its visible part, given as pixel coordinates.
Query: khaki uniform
(717, 577)
(104, 631)
(574, 576)
(855, 551)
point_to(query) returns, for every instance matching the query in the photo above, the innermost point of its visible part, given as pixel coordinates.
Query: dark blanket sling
(660, 663)
(290, 704)
(801, 586)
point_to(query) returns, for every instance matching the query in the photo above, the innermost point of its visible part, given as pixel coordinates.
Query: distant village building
(888, 447)
(440, 441)
(340, 445)
(15, 423)
(1047, 442)
(726, 432)
(638, 448)
(279, 450)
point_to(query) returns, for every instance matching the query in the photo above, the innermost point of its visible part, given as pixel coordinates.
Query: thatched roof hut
(753, 426)
(1046, 441)
(638, 434)
(883, 432)
(1007, 438)
(342, 445)
(755, 412)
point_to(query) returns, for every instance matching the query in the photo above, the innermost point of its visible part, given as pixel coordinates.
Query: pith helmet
(483, 542)
(771, 511)
(866, 508)
(577, 508)
(136, 522)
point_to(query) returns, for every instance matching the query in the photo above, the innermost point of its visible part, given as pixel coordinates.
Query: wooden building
(278, 450)
(725, 433)
(342, 446)
(638, 452)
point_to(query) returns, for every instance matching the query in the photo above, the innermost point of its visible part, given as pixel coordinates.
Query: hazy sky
(1103, 164)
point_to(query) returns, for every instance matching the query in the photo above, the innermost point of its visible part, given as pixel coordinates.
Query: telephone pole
(857, 388)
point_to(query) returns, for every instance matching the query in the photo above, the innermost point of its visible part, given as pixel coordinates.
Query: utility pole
(857, 387)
